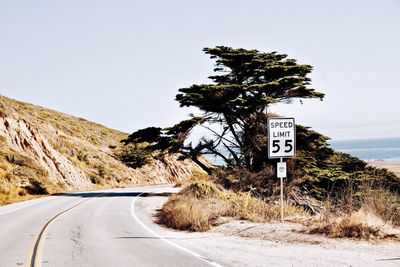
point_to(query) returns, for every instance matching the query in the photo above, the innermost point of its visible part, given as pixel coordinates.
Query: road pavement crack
(77, 239)
(36, 253)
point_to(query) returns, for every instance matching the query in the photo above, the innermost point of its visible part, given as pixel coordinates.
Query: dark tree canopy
(170, 140)
(148, 135)
(247, 84)
(235, 106)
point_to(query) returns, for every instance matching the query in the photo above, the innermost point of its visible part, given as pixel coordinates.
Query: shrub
(358, 225)
(83, 156)
(200, 176)
(17, 159)
(199, 205)
(383, 203)
(202, 189)
(243, 180)
(243, 206)
(35, 187)
(134, 156)
(368, 194)
(95, 179)
(186, 212)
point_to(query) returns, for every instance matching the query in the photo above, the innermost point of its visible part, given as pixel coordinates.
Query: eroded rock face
(24, 138)
(76, 153)
(169, 170)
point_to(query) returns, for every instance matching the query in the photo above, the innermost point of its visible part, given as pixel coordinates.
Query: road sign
(281, 170)
(281, 144)
(281, 138)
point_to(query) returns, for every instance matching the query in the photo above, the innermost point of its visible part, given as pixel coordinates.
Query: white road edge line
(38, 201)
(188, 251)
(25, 206)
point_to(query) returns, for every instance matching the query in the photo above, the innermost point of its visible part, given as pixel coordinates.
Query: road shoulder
(242, 243)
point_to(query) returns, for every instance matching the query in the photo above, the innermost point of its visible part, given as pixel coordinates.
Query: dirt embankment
(44, 151)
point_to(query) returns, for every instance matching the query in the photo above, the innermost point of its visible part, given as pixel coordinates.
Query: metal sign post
(281, 171)
(281, 144)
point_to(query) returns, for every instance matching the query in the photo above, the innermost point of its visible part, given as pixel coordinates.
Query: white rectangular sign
(281, 138)
(281, 170)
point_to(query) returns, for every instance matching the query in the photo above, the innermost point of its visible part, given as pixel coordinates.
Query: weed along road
(107, 228)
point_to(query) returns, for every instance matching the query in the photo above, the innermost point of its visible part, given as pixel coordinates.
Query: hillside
(43, 151)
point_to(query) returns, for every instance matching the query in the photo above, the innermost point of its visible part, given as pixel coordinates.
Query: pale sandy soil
(242, 243)
(276, 244)
(393, 166)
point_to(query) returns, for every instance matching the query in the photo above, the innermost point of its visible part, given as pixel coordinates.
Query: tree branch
(220, 136)
(232, 129)
(233, 154)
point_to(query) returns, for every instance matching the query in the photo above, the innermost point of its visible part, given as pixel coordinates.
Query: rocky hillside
(43, 151)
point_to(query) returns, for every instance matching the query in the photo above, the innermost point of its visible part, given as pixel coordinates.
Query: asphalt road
(105, 228)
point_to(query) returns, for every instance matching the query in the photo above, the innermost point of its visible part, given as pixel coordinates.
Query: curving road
(105, 228)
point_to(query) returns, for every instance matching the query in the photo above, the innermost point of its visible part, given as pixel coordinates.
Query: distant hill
(43, 151)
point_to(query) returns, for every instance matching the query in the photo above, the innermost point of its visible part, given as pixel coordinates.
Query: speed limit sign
(281, 144)
(281, 138)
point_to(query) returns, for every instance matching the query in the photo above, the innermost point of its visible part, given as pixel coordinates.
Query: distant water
(366, 149)
(370, 149)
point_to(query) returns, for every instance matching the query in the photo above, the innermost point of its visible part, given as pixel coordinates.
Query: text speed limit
(281, 138)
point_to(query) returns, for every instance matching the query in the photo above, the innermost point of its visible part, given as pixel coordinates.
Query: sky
(120, 63)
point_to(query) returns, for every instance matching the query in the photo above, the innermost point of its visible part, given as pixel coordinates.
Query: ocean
(387, 149)
(370, 149)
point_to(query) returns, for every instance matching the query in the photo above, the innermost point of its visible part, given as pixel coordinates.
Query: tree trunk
(205, 168)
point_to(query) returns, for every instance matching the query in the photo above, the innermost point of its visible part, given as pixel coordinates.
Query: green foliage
(149, 135)
(248, 82)
(135, 156)
(168, 140)
(326, 173)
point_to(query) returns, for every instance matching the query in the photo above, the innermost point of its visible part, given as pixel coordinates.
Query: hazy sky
(120, 63)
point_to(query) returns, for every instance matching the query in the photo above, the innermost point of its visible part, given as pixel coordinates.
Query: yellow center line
(36, 252)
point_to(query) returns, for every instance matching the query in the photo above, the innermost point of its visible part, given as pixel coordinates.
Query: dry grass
(199, 205)
(20, 177)
(83, 143)
(384, 204)
(370, 212)
(358, 225)
(94, 133)
(90, 148)
(185, 212)
(243, 206)
(197, 176)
